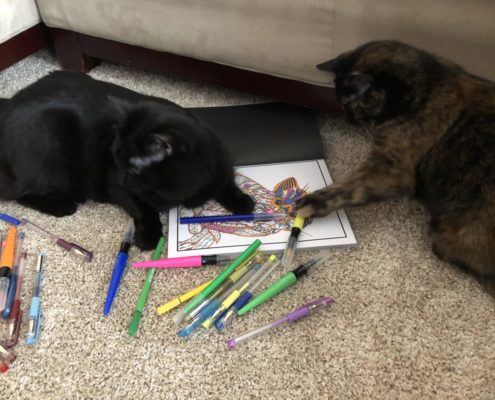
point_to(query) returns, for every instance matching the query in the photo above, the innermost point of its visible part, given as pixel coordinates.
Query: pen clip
(14, 338)
(36, 316)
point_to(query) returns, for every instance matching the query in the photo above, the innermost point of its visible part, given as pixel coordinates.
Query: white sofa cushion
(16, 16)
(284, 38)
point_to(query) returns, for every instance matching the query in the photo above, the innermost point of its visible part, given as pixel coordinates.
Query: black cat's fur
(69, 138)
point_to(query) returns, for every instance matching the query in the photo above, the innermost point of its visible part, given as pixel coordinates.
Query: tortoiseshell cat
(433, 125)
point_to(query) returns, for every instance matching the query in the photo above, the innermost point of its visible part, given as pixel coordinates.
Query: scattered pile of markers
(231, 294)
(13, 260)
(215, 303)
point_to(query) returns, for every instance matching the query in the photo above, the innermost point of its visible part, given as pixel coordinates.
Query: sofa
(268, 47)
(21, 31)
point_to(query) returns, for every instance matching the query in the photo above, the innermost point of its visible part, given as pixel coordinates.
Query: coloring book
(275, 188)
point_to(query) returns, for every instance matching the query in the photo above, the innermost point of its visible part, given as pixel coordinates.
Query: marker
(181, 299)
(119, 266)
(235, 293)
(9, 219)
(272, 264)
(217, 281)
(186, 262)
(292, 242)
(14, 278)
(251, 262)
(6, 264)
(293, 316)
(145, 290)
(283, 283)
(15, 317)
(35, 313)
(207, 311)
(211, 219)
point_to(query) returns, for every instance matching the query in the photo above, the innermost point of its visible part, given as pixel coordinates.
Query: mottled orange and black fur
(433, 125)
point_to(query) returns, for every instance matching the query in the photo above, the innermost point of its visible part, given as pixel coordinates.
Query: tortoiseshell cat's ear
(334, 64)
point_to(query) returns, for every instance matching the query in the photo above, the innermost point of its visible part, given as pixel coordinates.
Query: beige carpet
(404, 325)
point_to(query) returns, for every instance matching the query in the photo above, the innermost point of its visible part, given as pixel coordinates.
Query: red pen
(15, 317)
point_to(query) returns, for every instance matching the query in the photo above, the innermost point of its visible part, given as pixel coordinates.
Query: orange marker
(6, 264)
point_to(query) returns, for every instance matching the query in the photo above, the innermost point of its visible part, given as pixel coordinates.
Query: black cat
(69, 138)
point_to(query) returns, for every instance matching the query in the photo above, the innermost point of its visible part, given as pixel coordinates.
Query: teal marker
(145, 290)
(217, 281)
(282, 284)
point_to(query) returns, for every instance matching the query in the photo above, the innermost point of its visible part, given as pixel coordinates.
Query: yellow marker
(181, 299)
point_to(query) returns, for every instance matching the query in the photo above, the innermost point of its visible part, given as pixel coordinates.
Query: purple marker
(186, 262)
(293, 316)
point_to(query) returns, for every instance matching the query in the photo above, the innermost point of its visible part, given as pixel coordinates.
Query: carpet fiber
(404, 325)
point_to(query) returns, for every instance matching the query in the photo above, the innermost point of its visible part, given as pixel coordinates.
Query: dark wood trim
(69, 52)
(23, 44)
(81, 52)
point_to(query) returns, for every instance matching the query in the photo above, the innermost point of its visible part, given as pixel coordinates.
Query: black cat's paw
(63, 209)
(243, 205)
(235, 200)
(56, 204)
(147, 239)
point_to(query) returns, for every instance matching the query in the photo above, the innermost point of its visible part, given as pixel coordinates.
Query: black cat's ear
(159, 149)
(334, 64)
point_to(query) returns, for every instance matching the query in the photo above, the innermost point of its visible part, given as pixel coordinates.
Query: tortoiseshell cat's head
(382, 80)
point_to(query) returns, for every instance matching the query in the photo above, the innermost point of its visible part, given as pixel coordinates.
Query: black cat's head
(163, 154)
(381, 80)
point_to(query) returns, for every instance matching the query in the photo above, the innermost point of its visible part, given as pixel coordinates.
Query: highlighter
(282, 284)
(199, 298)
(181, 299)
(290, 248)
(6, 264)
(145, 290)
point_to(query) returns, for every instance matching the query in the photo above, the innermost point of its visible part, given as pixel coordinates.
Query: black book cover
(265, 133)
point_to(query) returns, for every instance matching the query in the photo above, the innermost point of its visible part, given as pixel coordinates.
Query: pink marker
(186, 262)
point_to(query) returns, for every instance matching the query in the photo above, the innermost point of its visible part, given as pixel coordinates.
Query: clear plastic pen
(234, 295)
(70, 247)
(291, 317)
(257, 258)
(272, 264)
(290, 248)
(204, 314)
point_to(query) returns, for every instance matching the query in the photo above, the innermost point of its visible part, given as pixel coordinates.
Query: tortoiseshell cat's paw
(318, 204)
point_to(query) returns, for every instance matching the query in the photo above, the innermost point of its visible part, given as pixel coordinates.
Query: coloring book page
(275, 188)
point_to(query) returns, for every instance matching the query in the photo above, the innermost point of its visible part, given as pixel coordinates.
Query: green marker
(217, 281)
(145, 290)
(283, 283)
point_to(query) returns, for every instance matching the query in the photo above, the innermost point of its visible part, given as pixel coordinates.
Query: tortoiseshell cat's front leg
(380, 178)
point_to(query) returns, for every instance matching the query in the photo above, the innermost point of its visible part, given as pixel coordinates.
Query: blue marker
(119, 266)
(9, 219)
(210, 219)
(35, 313)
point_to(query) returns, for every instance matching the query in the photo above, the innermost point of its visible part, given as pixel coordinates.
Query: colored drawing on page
(280, 199)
